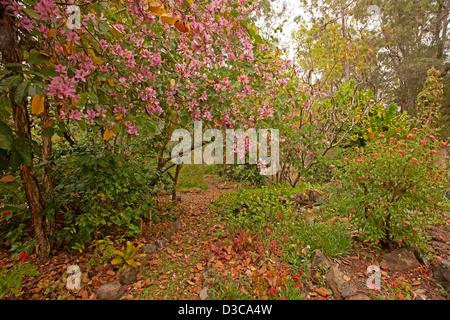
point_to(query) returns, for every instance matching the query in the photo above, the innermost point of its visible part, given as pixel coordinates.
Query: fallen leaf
(147, 282)
(7, 179)
(263, 269)
(323, 292)
(111, 273)
(156, 263)
(416, 283)
(84, 295)
(170, 250)
(272, 281)
(190, 282)
(313, 294)
(346, 277)
(199, 266)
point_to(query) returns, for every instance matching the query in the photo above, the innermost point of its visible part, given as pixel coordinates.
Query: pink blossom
(414, 229)
(414, 129)
(381, 135)
(47, 10)
(432, 137)
(82, 74)
(410, 136)
(433, 151)
(414, 160)
(60, 68)
(332, 166)
(423, 142)
(62, 87)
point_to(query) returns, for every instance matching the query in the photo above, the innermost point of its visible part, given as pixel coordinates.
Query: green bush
(247, 173)
(96, 190)
(392, 189)
(256, 207)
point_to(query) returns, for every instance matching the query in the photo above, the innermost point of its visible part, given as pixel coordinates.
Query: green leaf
(37, 58)
(21, 92)
(119, 253)
(10, 82)
(6, 136)
(116, 261)
(93, 97)
(31, 13)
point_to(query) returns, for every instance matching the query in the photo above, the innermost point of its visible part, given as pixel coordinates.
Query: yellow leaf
(169, 18)
(37, 104)
(172, 82)
(107, 134)
(52, 33)
(48, 123)
(8, 178)
(115, 31)
(157, 8)
(116, 261)
(119, 117)
(110, 82)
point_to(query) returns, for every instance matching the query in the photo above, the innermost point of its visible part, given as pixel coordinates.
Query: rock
(310, 220)
(178, 224)
(319, 260)
(168, 233)
(419, 293)
(204, 294)
(309, 198)
(149, 248)
(359, 296)
(399, 260)
(348, 291)
(299, 198)
(128, 275)
(313, 196)
(335, 281)
(110, 291)
(441, 272)
(160, 243)
(143, 260)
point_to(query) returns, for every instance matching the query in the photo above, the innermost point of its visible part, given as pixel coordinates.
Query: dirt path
(177, 271)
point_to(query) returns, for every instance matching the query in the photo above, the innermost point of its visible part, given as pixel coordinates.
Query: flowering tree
(119, 66)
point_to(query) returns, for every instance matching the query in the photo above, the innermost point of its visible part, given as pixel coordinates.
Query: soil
(194, 239)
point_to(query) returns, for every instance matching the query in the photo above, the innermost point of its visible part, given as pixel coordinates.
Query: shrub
(247, 173)
(97, 189)
(392, 189)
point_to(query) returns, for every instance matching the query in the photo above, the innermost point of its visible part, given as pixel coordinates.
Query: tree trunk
(175, 181)
(12, 53)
